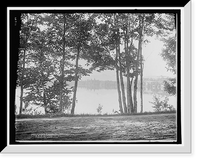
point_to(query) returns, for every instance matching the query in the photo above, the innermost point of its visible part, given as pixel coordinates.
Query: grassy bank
(98, 128)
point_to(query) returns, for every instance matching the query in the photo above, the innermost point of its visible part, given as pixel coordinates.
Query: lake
(88, 101)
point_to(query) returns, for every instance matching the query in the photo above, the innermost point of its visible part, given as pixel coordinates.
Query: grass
(98, 128)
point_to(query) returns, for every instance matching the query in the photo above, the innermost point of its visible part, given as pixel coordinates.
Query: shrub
(99, 109)
(161, 105)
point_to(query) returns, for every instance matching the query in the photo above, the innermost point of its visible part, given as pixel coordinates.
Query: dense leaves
(169, 55)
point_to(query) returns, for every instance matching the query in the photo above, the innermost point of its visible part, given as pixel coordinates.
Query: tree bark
(139, 54)
(21, 100)
(136, 77)
(129, 95)
(122, 83)
(141, 64)
(44, 101)
(135, 93)
(76, 82)
(21, 86)
(118, 83)
(62, 66)
(141, 91)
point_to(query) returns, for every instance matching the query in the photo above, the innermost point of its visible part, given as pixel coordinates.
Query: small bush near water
(161, 105)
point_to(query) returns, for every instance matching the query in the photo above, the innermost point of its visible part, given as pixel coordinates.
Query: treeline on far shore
(149, 85)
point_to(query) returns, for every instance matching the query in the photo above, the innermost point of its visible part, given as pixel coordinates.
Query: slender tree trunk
(119, 92)
(45, 101)
(43, 87)
(136, 77)
(122, 83)
(41, 66)
(118, 83)
(21, 100)
(22, 79)
(135, 93)
(129, 89)
(141, 63)
(117, 50)
(21, 86)
(62, 67)
(141, 91)
(129, 95)
(76, 82)
(129, 98)
(139, 55)
(61, 89)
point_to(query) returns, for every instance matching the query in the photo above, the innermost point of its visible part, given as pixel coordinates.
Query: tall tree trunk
(76, 82)
(122, 83)
(141, 91)
(141, 78)
(135, 93)
(117, 44)
(136, 77)
(129, 95)
(62, 66)
(22, 79)
(21, 100)
(129, 98)
(139, 54)
(118, 83)
(141, 63)
(41, 66)
(43, 83)
(45, 101)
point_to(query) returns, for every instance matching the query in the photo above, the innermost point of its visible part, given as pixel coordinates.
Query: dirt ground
(98, 128)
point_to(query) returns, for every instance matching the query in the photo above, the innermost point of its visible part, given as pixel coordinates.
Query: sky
(154, 65)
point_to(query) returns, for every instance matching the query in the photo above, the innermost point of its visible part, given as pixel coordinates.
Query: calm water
(88, 101)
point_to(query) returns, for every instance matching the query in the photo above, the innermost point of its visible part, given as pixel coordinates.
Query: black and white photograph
(96, 76)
